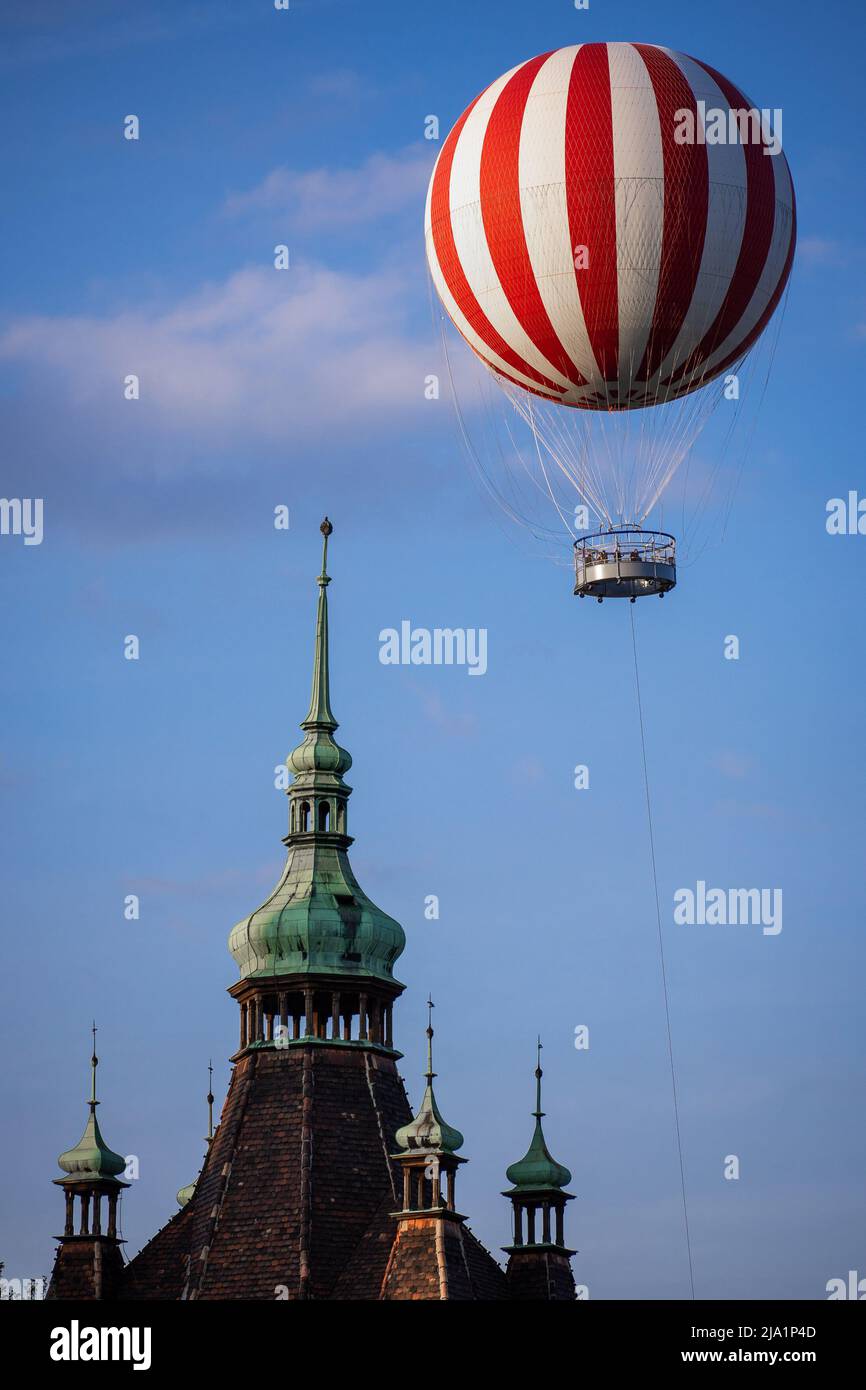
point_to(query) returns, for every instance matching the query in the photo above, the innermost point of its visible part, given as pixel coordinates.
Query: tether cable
(662, 956)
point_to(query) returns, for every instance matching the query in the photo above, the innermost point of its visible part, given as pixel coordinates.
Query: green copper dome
(91, 1160)
(538, 1170)
(185, 1193)
(428, 1130)
(318, 919)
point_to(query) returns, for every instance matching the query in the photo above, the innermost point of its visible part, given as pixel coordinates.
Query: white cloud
(816, 250)
(322, 198)
(340, 84)
(272, 355)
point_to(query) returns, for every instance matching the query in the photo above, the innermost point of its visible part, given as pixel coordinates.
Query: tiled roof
(298, 1193)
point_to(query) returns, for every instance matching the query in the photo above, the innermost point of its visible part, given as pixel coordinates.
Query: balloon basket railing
(625, 562)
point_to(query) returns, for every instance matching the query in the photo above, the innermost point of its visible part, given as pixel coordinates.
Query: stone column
(434, 1201)
(362, 1021)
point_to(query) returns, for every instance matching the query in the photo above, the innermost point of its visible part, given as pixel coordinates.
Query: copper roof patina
(91, 1160)
(428, 1131)
(538, 1171)
(318, 919)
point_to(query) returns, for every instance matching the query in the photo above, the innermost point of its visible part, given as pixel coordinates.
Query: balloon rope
(662, 957)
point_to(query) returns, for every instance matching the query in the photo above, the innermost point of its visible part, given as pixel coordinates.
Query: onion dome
(538, 1171)
(318, 920)
(91, 1160)
(428, 1131)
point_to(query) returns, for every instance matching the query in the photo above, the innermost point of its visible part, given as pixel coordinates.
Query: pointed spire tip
(326, 529)
(430, 1007)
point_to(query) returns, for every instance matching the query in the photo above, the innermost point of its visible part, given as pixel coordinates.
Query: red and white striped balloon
(687, 247)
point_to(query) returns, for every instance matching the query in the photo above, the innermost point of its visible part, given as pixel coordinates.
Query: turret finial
(538, 1112)
(94, 1063)
(320, 715)
(537, 1169)
(91, 1159)
(210, 1100)
(430, 1073)
(326, 529)
(427, 1130)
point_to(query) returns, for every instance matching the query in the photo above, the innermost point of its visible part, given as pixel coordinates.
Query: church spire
(318, 795)
(317, 958)
(320, 715)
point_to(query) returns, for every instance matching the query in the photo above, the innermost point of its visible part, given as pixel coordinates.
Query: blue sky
(306, 388)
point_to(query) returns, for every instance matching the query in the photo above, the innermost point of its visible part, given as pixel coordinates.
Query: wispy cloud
(340, 84)
(211, 885)
(383, 185)
(56, 31)
(271, 354)
(761, 810)
(731, 764)
(455, 724)
(815, 250)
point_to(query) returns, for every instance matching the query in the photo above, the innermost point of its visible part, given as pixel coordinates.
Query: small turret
(428, 1147)
(89, 1261)
(539, 1261)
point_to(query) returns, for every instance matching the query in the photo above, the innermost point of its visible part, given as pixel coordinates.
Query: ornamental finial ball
(326, 527)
